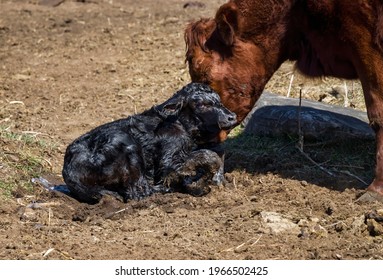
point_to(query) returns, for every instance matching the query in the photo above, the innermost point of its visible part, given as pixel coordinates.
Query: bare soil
(68, 68)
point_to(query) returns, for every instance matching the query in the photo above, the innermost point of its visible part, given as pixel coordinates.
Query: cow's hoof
(370, 196)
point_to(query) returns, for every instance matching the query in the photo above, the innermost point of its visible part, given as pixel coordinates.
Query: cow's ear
(227, 23)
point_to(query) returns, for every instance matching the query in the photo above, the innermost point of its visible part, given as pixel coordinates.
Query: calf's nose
(232, 118)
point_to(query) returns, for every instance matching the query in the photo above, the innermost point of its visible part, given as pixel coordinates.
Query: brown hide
(238, 51)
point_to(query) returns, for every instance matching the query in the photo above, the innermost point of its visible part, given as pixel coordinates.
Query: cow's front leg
(375, 189)
(374, 104)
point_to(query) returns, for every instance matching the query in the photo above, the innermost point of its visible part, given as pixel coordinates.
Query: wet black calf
(171, 147)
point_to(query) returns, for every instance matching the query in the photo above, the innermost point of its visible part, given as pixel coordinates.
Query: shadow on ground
(333, 165)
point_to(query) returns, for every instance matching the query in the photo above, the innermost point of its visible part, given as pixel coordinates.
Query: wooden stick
(300, 134)
(291, 82)
(352, 175)
(315, 163)
(345, 94)
(301, 139)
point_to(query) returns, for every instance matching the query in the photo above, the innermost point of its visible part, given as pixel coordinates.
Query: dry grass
(23, 157)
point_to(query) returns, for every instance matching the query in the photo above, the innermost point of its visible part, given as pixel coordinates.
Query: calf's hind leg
(130, 174)
(118, 168)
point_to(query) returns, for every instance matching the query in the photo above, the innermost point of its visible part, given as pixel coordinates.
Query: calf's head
(219, 54)
(201, 112)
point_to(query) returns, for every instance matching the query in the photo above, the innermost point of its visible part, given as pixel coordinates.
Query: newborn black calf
(170, 147)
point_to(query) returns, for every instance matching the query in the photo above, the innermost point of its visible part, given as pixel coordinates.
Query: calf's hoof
(195, 189)
(219, 179)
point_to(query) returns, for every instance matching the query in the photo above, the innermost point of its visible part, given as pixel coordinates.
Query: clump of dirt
(69, 67)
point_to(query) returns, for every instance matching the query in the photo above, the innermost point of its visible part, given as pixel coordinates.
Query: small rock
(276, 223)
(21, 77)
(311, 228)
(374, 228)
(338, 256)
(303, 223)
(338, 92)
(304, 233)
(358, 224)
(95, 239)
(11, 247)
(168, 209)
(51, 3)
(253, 198)
(329, 207)
(171, 20)
(304, 183)
(327, 98)
(376, 215)
(28, 214)
(194, 4)
(314, 220)
(339, 227)
(4, 28)
(319, 231)
(38, 226)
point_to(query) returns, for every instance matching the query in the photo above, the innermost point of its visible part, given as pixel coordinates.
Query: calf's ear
(227, 23)
(170, 108)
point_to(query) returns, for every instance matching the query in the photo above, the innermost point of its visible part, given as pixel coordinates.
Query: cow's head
(218, 55)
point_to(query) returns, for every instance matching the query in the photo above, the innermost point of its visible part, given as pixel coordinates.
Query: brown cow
(238, 51)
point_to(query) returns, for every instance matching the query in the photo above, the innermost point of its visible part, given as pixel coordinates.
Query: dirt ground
(68, 68)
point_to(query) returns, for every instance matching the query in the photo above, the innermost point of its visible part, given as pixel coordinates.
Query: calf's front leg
(196, 173)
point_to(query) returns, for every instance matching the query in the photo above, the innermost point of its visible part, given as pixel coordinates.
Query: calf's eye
(207, 104)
